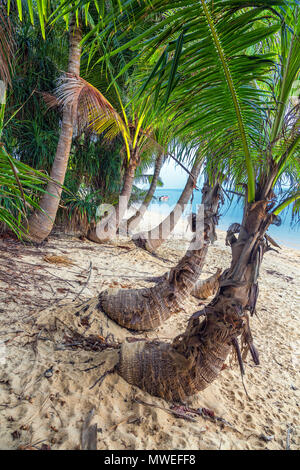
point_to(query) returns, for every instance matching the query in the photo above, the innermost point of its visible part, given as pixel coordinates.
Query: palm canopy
(225, 71)
(204, 76)
(48, 12)
(143, 129)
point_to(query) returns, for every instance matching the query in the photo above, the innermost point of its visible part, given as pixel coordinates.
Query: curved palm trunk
(133, 222)
(195, 358)
(208, 287)
(107, 228)
(145, 309)
(41, 223)
(154, 238)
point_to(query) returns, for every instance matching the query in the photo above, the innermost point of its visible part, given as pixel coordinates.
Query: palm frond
(19, 183)
(89, 106)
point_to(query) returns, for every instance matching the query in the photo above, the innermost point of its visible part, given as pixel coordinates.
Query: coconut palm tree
(41, 223)
(154, 238)
(217, 89)
(217, 94)
(136, 218)
(194, 359)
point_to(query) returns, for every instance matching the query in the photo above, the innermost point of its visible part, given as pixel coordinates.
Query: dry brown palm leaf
(62, 260)
(88, 104)
(272, 241)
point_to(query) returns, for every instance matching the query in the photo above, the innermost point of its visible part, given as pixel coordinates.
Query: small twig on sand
(61, 422)
(178, 414)
(100, 380)
(130, 420)
(93, 367)
(87, 281)
(182, 412)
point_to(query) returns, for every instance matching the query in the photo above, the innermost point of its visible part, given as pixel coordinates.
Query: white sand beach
(45, 391)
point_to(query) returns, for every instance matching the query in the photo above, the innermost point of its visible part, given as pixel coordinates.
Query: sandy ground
(46, 388)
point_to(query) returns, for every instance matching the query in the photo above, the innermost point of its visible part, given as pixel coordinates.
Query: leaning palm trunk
(207, 287)
(195, 358)
(154, 238)
(134, 221)
(41, 223)
(145, 309)
(107, 228)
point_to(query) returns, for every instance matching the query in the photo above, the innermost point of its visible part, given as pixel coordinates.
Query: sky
(172, 175)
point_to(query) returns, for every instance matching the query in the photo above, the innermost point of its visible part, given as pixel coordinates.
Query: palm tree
(18, 182)
(41, 223)
(135, 219)
(224, 99)
(135, 124)
(152, 239)
(218, 89)
(145, 309)
(194, 359)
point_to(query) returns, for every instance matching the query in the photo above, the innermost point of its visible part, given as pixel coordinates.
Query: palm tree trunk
(145, 309)
(207, 287)
(133, 222)
(195, 358)
(107, 228)
(41, 223)
(154, 238)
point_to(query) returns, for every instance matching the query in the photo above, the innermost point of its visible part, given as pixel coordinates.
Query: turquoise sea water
(285, 234)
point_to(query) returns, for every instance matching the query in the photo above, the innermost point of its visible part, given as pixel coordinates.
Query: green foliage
(220, 74)
(93, 177)
(30, 130)
(18, 185)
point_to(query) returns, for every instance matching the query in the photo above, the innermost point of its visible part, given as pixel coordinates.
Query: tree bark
(106, 229)
(41, 223)
(133, 222)
(145, 309)
(207, 287)
(154, 238)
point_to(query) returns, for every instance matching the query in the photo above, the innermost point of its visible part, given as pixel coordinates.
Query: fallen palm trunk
(145, 309)
(154, 238)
